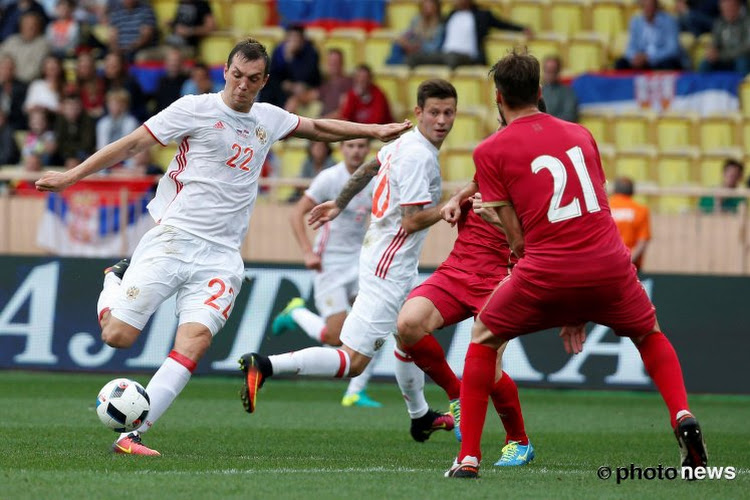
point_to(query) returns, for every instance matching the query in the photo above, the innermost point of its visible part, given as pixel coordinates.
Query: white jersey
(338, 242)
(211, 185)
(409, 175)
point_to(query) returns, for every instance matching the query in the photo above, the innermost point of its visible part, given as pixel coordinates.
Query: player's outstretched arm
(327, 130)
(415, 217)
(451, 210)
(130, 145)
(297, 221)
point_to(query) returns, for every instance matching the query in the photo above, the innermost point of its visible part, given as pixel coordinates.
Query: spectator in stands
(336, 84)
(170, 84)
(319, 158)
(733, 173)
(91, 86)
(74, 131)
(560, 99)
(193, 20)
(45, 92)
(632, 219)
(28, 48)
(200, 82)
(117, 123)
(133, 26)
(423, 36)
(63, 33)
(653, 40)
(730, 50)
(466, 27)
(10, 21)
(8, 149)
(697, 16)
(295, 69)
(116, 76)
(12, 93)
(365, 102)
(39, 143)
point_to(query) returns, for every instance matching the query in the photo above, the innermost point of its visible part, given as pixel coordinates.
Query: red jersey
(550, 171)
(480, 248)
(374, 109)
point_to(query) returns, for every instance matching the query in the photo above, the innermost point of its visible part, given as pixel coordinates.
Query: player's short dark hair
(624, 185)
(516, 77)
(437, 88)
(252, 50)
(731, 162)
(542, 105)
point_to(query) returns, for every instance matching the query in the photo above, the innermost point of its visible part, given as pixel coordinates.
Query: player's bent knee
(119, 335)
(410, 329)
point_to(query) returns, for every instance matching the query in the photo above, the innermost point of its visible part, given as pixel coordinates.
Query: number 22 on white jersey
(556, 213)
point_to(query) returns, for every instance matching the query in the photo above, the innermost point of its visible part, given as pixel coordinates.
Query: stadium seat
(745, 139)
(699, 49)
(248, 15)
(457, 163)
(618, 46)
(269, 36)
(392, 80)
(498, 44)
(598, 123)
(163, 156)
(164, 10)
(608, 155)
(586, 52)
(214, 48)
(399, 14)
(675, 168)
(350, 41)
(473, 86)
(636, 163)
(631, 129)
(744, 92)
(378, 47)
(529, 13)
(546, 44)
(711, 166)
(221, 10)
(608, 18)
(567, 17)
(420, 74)
(468, 128)
(675, 130)
(719, 131)
(291, 157)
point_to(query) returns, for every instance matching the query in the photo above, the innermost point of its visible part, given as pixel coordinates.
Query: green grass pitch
(302, 444)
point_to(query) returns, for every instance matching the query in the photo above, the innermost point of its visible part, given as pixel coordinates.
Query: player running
(335, 260)
(544, 175)
(405, 203)
(202, 208)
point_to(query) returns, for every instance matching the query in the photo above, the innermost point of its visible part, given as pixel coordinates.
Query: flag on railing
(702, 93)
(85, 220)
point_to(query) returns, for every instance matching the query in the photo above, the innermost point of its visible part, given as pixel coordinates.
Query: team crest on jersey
(132, 293)
(243, 133)
(261, 134)
(379, 343)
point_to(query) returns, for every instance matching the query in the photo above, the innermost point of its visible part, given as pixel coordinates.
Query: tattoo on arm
(357, 182)
(409, 210)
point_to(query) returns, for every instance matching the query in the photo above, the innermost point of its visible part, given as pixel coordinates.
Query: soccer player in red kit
(544, 178)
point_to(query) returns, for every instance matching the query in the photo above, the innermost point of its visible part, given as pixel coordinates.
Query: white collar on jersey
(426, 141)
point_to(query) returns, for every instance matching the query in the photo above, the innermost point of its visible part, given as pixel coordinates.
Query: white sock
(323, 361)
(410, 380)
(109, 293)
(162, 389)
(359, 383)
(311, 323)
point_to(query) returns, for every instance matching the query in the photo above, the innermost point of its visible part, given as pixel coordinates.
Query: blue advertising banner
(48, 322)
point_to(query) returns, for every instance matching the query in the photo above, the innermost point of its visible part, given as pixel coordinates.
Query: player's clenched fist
(451, 211)
(390, 131)
(325, 212)
(54, 181)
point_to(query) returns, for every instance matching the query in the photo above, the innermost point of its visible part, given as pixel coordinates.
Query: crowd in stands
(64, 66)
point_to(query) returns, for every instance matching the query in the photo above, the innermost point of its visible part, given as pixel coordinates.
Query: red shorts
(456, 294)
(518, 307)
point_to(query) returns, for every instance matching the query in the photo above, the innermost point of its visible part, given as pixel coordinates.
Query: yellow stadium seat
(468, 128)
(675, 169)
(221, 10)
(163, 156)
(636, 163)
(530, 14)
(497, 45)
(711, 166)
(214, 48)
(546, 44)
(699, 49)
(720, 131)
(472, 86)
(586, 52)
(269, 36)
(674, 130)
(248, 15)
(745, 139)
(608, 18)
(392, 80)
(291, 157)
(399, 14)
(350, 41)
(378, 47)
(598, 123)
(618, 46)
(316, 35)
(745, 98)
(567, 17)
(420, 74)
(608, 155)
(631, 129)
(164, 10)
(457, 163)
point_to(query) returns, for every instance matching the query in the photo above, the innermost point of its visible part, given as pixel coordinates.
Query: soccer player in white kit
(405, 203)
(334, 257)
(202, 208)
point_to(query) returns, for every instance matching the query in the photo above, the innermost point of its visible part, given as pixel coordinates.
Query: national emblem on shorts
(132, 293)
(379, 343)
(261, 134)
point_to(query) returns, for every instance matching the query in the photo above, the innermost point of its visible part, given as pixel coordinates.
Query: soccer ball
(122, 405)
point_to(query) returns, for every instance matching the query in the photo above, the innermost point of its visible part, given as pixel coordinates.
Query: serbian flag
(87, 219)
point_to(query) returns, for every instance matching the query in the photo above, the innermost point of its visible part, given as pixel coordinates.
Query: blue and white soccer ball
(122, 405)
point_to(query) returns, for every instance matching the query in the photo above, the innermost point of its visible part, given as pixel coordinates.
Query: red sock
(505, 399)
(479, 377)
(430, 357)
(664, 369)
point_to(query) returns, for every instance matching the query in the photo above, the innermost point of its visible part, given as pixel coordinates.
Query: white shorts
(206, 277)
(374, 313)
(335, 288)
